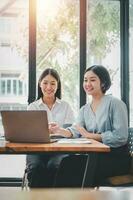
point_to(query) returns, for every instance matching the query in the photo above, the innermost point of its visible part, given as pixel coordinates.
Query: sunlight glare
(48, 7)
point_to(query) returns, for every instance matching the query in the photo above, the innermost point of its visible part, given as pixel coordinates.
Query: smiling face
(92, 84)
(49, 86)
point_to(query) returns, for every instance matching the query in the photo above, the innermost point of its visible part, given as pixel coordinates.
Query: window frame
(124, 50)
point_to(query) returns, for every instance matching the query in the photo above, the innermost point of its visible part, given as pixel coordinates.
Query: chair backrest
(130, 140)
(130, 146)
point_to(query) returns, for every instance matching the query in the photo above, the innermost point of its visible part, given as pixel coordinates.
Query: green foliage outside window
(58, 40)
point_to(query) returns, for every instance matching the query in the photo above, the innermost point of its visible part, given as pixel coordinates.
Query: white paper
(75, 141)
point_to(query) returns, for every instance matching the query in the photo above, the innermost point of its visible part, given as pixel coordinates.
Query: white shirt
(61, 111)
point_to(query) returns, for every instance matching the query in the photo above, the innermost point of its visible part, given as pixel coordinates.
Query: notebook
(26, 126)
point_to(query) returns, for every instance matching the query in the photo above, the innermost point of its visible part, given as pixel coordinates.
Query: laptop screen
(25, 126)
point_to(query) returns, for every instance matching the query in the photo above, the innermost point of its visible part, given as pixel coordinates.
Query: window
(58, 44)
(130, 59)
(5, 29)
(12, 86)
(13, 71)
(103, 38)
(3, 87)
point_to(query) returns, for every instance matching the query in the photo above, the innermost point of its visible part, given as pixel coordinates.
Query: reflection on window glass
(131, 59)
(13, 70)
(103, 38)
(58, 44)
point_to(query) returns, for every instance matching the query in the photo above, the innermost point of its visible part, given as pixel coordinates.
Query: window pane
(58, 44)
(20, 87)
(131, 60)
(103, 38)
(13, 70)
(3, 87)
(14, 87)
(8, 86)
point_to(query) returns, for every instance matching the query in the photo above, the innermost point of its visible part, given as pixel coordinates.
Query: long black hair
(103, 75)
(54, 73)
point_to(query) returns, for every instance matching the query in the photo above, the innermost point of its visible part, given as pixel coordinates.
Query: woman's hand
(87, 134)
(83, 131)
(53, 127)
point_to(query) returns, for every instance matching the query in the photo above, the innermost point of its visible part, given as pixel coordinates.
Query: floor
(100, 188)
(130, 188)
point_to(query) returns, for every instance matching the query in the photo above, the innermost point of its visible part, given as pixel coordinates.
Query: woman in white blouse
(105, 120)
(41, 169)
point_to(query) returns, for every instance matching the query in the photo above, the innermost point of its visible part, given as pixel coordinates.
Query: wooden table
(93, 149)
(22, 148)
(64, 194)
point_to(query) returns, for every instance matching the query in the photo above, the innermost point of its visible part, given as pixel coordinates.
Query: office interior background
(68, 35)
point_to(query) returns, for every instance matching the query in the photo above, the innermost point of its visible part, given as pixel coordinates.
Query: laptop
(26, 126)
